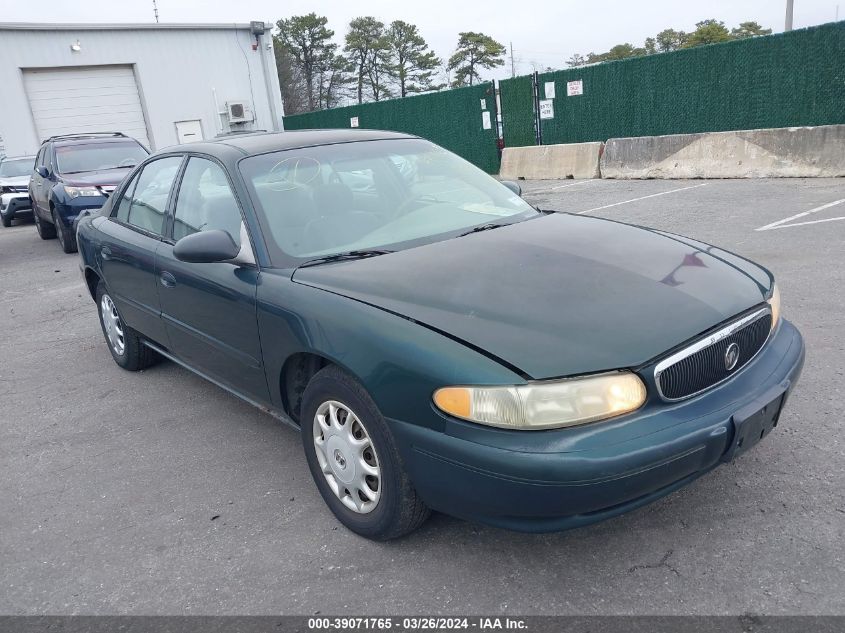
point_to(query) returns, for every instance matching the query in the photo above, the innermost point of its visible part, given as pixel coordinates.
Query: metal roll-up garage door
(85, 99)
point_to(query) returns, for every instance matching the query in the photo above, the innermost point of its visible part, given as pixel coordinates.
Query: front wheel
(353, 459)
(7, 222)
(125, 344)
(67, 239)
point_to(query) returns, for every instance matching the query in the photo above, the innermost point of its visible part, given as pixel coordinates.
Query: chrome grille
(705, 363)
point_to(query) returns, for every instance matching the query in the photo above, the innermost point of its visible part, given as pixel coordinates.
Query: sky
(543, 32)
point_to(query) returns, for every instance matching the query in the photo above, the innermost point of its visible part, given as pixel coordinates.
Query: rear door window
(148, 202)
(121, 209)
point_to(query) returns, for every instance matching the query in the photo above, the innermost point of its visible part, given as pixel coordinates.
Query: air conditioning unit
(238, 111)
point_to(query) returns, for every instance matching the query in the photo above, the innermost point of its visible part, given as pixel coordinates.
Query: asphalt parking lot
(158, 493)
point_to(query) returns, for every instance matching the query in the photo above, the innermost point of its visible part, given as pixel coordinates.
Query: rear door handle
(167, 279)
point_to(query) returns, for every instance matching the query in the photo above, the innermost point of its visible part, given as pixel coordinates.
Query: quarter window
(121, 211)
(206, 202)
(149, 200)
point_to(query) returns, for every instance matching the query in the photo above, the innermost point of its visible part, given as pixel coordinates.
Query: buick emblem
(731, 356)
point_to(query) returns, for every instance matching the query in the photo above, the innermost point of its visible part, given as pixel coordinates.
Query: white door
(85, 99)
(189, 131)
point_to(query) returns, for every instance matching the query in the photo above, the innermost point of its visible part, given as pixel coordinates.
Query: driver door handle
(167, 279)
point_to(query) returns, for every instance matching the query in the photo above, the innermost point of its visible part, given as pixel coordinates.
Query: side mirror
(510, 184)
(42, 171)
(206, 247)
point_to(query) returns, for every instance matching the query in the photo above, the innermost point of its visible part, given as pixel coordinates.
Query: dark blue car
(76, 172)
(439, 342)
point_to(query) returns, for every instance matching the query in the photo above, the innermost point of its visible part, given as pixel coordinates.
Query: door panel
(209, 313)
(209, 309)
(127, 255)
(128, 264)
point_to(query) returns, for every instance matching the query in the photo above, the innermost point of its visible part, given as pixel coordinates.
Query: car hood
(105, 178)
(17, 181)
(559, 295)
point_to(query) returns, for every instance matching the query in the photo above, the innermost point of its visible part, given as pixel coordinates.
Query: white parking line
(654, 195)
(573, 184)
(777, 225)
(559, 187)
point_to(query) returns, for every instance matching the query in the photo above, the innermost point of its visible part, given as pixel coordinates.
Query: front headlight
(545, 405)
(78, 192)
(774, 304)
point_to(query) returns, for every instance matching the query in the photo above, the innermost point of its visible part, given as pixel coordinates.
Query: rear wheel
(125, 344)
(46, 231)
(7, 222)
(354, 461)
(67, 239)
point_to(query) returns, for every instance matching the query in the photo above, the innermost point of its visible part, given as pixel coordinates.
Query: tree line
(376, 62)
(379, 61)
(706, 32)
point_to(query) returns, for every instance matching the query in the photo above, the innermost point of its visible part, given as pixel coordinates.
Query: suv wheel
(66, 237)
(7, 222)
(353, 459)
(125, 344)
(46, 231)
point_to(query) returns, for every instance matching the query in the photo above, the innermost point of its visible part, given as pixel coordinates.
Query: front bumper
(68, 210)
(553, 480)
(15, 205)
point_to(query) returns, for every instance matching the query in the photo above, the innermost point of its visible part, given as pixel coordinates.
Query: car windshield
(16, 167)
(72, 159)
(386, 194)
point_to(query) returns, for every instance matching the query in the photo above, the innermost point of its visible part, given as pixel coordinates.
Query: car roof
(88, 140)
(261, 142)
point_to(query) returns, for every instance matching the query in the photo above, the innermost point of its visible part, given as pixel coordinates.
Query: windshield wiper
(338, 257)
(484, 227)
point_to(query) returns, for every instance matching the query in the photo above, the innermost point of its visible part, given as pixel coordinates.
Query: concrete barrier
(800, 152)
(551, 162)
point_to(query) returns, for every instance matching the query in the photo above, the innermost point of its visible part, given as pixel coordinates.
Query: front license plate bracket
(754, 422)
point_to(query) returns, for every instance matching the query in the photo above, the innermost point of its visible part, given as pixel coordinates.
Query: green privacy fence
(789, 79)
(453, 119)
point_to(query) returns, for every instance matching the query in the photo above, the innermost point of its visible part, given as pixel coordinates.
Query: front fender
(399, 362)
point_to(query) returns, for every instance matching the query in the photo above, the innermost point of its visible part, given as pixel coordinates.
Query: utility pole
(788, 25)
(513, 69)
(155, 10)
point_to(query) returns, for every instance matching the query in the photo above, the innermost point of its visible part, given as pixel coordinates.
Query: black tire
(46, 231)
(67, 238)
(135, 355)
(399, 510)
(7, 222)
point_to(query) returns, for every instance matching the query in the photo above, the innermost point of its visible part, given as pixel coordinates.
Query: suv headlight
(78, 192)
(774, 304)
(545, 405)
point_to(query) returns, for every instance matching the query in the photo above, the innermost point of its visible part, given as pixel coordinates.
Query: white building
(160, 83)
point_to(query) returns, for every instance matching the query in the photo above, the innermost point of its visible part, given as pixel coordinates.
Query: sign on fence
(574, 88)
(550, 90)
(547, 109)
(353, 121)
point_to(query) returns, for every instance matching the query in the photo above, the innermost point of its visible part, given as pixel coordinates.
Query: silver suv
(14, 195)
